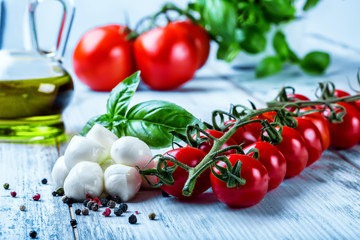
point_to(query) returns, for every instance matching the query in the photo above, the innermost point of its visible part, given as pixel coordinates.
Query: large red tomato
(167, 56)
(249, 194)
(201, 38)
(190, 157)
(104, 57)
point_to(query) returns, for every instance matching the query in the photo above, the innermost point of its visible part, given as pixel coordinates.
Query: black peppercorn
(77, 211)
(54, 193)
(104, 202)
(69, 201)
(164, 194)
(111, 204)
(85, 202)
(123, 207)
(95, 207)
(6, 186)
(109, 197)
(33, 234)
(90, 204)
(117, 199)
(85, 211)
(73, 222)
(22, 207)
(118, 211)
(132, 219)
(44, 181)
(152, 216)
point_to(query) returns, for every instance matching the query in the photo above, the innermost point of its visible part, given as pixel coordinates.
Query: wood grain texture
(321, 203)
(23, 166)
(352, 155)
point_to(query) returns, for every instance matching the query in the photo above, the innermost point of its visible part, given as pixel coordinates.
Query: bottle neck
(14, 25)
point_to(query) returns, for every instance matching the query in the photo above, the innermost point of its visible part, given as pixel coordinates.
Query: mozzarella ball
(84, 178)
(83, 149)
(103, 136)
(123, 181)
(59, 172)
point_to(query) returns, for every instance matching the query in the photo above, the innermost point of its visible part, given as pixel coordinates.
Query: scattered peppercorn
(33, 234)
(85, 202)
(44, 181)
(22, 207)
(63, 199)
(97, 201)
(95, 207)
(117, 199)
(165, 194)
(6, 186)
(118, 211)
(36, 197)
(90, 204)
(85, 211)
(123, 206)
(13, 194)
(109, 197)
(104, 202)
(69, 201)
(54, 193)
(152, 216)
(137, 212)
(132, 219)
(77, 211)
(73, 222)
(60, 191)
(111, 204)
(107, 212)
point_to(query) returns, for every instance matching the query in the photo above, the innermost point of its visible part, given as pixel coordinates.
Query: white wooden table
(323, 202)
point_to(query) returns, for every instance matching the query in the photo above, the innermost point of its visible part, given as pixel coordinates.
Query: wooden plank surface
(23, 166)
(321, 203)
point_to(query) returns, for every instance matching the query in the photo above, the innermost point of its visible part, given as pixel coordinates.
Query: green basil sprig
(150, 121)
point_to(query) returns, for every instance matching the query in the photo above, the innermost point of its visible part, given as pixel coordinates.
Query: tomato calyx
(272, 132)
(230, 174)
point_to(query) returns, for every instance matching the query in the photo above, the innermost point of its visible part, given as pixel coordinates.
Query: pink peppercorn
(36, 197)
(13, 194)
(107, 212)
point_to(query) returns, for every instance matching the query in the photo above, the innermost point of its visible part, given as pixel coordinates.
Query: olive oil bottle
(34, 86)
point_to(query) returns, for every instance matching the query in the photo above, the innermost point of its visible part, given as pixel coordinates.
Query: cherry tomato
(167, 56)
(312, 139)
(340, 93)
(206, 146)
(273, 160)
(245, 135)
(294, 98)
(249, 194)
(322, 124)
(294, 150)
(201, 38)
(103, 57)
(191, 157)
(346, 134)
(269, 116)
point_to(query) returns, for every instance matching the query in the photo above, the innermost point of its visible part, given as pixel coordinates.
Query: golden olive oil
(31, 109)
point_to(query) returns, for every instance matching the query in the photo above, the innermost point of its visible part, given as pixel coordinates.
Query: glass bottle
(34, 86)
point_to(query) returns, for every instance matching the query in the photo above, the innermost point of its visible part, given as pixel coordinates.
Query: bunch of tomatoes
(242, 179)
(167, 56)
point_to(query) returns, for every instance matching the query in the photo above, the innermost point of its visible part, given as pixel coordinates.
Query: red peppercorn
(13, 194)
(107, 212)
(97, 201)
(36, 197)
(137, 213)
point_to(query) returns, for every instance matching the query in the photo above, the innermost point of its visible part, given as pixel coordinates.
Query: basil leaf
(121, 95)
(315, 62)
(310, 4)
(105, 120)
(280, 46)
(151, 121)
(254, 40)
(268, 66)
(228, 52)
(279, 10)
(220, 17)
